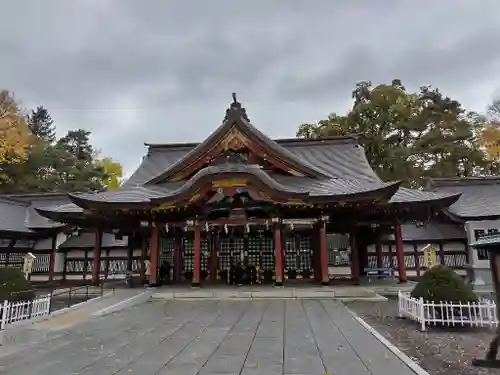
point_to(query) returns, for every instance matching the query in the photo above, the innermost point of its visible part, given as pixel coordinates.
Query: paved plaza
(305, 337)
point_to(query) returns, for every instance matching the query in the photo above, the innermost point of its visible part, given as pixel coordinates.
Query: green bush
(13, 285)
(441, 283)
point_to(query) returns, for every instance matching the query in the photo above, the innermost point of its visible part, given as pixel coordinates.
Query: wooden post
(355, 269)
(378, 248)
(144, 256)
(400, 253)
(278, 254)
(325, 279)
(197, 255)
(52, 259)
(153, 255)
(178, 257)
(96, 257)
(129, 272)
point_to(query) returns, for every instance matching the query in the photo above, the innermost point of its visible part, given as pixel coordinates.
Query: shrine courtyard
(247, 337)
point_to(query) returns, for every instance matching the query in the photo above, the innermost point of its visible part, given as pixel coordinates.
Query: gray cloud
(163, 70)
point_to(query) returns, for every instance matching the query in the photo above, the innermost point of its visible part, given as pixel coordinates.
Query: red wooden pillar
(355, 269)
(278, 254)
(378, 248)
(197, 255)
(323, 251)
(400, 253)
(96, 257)
(153, 254)
(52, 259)
(214, 261)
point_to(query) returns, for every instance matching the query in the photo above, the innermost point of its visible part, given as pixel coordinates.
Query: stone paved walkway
(306, 337)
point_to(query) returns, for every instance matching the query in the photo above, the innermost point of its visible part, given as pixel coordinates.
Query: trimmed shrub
(441, 283)
(13, 285)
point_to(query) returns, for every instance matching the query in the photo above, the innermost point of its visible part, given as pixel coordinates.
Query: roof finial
(236, 108)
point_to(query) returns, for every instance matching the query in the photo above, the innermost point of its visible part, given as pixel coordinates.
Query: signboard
(430, 256)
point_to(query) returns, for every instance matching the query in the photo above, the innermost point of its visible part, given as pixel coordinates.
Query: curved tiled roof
(238, 119)
(292, 185)
(340, 157)
(479, 199)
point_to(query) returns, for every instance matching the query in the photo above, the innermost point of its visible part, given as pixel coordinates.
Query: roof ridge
(350, 138)
(462, 181)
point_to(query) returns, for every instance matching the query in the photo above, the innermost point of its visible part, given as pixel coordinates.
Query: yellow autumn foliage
(14, 131)
(114, 173)
(490, 141)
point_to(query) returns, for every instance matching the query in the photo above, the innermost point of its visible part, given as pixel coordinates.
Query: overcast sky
(159, 71)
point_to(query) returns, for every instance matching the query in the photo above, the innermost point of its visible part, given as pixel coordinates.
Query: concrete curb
(126, 303)
(201, 295)
(398, 353)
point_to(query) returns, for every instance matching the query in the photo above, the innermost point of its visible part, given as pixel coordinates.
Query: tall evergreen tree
(42, 125)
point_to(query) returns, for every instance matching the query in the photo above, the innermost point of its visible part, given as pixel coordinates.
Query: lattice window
(386, 261)
(136, 265)
(455, 260)
(3, 259)
(167, 247)
(117, 266)
(16, 259)
(75, 266)
(305, 254)
(339, 251)
(90, 266)
(372, 261)
(188, 257)
(409, 261)
(204, 254)
(41, 263)
(290, 253)
(225, 253)
(231, 250)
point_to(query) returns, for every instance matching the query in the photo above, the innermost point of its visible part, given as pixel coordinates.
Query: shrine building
(295, 208)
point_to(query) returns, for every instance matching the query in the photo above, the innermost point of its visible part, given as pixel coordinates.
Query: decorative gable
(237, 140)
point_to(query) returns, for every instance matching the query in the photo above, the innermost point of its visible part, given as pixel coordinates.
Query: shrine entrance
(250, 248)
(298, 253)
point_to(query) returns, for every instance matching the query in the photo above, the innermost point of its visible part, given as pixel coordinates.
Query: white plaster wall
(76, 254)
(59, 256)
(115, 253)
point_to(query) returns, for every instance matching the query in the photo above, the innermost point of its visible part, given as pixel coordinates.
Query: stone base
(325, 282)
(486, 363)
(195, 284)
(278, 283)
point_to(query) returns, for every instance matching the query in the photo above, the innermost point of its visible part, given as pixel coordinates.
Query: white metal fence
(480, 314)
(11, 312)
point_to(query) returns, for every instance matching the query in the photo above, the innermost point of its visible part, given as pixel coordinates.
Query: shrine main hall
(291, 208)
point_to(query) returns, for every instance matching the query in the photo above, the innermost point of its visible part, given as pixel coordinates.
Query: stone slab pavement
(244, 337)
(27, 333)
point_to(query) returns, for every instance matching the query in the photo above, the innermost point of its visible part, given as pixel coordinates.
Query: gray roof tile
(431, 231)
(87, 240)
(480, 196)
(13, 216)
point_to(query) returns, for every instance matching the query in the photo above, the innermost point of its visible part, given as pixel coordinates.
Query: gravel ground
(439, 351)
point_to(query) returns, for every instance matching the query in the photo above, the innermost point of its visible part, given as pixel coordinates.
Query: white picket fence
(11, 312)
(480, 314)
